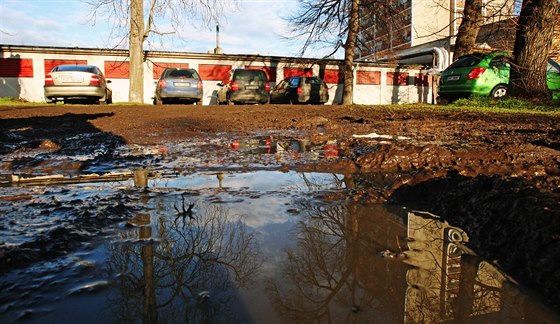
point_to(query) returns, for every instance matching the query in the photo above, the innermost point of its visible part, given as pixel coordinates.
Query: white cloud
(256, 28)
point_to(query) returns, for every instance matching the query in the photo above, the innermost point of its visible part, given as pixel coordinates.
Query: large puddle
(226, 246)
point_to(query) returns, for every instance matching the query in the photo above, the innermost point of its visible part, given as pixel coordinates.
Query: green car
(486, 74)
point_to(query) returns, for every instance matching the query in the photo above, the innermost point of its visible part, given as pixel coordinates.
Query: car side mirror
(109, 81)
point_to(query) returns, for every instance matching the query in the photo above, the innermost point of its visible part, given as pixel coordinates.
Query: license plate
(182, 84)
(70, 80)
(453, 78)
(252, 87)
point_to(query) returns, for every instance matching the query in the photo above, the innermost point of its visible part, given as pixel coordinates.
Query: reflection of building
(440, 280)
(410, 29)
(449, 283)
(434, 282)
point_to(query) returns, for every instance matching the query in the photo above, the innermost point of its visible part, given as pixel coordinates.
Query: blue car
(178, 85)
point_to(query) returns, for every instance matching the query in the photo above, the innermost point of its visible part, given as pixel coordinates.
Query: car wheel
(499, 91)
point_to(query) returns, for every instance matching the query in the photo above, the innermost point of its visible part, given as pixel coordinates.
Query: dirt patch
(495, 175)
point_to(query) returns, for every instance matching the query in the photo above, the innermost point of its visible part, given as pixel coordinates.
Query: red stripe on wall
(270, 71)
(15, 67)
(333, 76)
(368, 77)
(160, 66)
(397, 78)
(50, 64)
(214, 72)
(290, 72)
(117, 69)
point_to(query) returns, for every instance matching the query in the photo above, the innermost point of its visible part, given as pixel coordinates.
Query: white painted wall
(31, 89)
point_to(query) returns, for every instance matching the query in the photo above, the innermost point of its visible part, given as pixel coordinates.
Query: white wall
(31, 89)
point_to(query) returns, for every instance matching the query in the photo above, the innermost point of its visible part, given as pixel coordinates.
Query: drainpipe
(442, 56)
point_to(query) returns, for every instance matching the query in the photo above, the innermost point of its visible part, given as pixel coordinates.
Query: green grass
(7, 101)
(487, 104)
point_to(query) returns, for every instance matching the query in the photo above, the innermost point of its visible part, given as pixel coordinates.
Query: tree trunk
(468, 30)
(136, 52)
(353, 27)
(533, 41)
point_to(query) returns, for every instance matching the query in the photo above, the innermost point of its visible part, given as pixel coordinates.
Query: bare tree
(331, 22)
(533, 42)
(469, 28)
(131, 22)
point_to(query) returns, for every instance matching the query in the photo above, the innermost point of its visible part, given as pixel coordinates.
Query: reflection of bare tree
(191, 275)
(319, 282)
(317, 184)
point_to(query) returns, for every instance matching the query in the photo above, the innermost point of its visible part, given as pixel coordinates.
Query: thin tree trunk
(353, 27)
(469, 28)
(136, 52)
(533, 42)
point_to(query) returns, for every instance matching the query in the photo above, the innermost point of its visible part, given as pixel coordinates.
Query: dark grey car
(179, 85)
(300, 89)
(244, 86)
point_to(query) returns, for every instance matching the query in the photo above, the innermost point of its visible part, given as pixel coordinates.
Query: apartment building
(389, 31)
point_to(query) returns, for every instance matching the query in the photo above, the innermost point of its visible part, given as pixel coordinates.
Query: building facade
(389, 31)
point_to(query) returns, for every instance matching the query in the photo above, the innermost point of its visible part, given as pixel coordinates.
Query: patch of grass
(505, 104)
(8, 101)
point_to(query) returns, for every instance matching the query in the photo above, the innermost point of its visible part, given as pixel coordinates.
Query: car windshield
(467, 61)
(184, 74)
(250, 75)
(79, 68)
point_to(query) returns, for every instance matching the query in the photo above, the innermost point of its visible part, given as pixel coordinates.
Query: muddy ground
(495, 175)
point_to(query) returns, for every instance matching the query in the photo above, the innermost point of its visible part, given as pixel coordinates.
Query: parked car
(486, 74)
(71, 82)
(300, 89)
(244, 86)
(179, 85)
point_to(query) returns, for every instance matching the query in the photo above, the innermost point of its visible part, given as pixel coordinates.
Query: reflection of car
(300, 89)
(485, 74)
(178, 84)
(77, 81)
(244, 86)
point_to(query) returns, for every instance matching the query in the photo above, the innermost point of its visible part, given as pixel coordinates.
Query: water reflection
(183, 271)
(288, 146)
(322, 258)
(335, 273)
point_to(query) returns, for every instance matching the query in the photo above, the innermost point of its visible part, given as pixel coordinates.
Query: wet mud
(495, 176)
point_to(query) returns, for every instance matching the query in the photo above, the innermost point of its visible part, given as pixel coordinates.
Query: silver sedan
(71, 82)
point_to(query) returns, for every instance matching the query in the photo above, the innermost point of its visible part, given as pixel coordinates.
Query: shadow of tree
(67, 134)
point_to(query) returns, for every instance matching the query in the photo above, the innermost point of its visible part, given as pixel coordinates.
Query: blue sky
(254, 28)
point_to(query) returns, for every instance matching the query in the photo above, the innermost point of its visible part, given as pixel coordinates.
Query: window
(185, 74)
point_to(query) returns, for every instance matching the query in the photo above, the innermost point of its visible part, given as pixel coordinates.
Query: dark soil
(495, 175)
